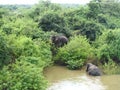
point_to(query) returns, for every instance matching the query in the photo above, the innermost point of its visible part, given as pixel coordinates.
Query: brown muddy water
(60, 78)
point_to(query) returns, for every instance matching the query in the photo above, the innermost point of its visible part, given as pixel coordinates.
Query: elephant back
(59, 41)
(93, 70)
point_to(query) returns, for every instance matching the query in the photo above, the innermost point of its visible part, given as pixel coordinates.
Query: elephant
(59, 41)
(93, 70)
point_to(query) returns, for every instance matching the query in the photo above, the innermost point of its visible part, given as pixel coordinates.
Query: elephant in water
(59, 41)
(93, 70)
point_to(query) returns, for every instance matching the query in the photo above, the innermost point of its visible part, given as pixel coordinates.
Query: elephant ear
(87, 68)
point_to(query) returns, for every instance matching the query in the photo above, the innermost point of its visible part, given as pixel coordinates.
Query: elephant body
(93, 70)
(59, 41)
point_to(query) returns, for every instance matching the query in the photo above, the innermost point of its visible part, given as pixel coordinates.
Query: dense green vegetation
(26, 49)
(71, 53)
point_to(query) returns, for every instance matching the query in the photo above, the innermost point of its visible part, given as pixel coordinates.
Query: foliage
(20, 26)
(3, 12)
(75, 53)
(44, 52)
(109, 46)
(74, 17)
(43, 7)
(90, 29)
(111, 68)
(108, 21)
(23, 76)
(30, 60)
(94, 10)
(110, 7)
(14, 47)
(5, 51)
(25, 47)
(54, 22)
(105, 12)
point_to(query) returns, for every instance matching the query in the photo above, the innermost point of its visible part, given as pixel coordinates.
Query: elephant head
(59, 41)
(93, 70)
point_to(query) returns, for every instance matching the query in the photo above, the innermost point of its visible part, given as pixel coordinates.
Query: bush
(5, 55)
(30, 58)
(75, 53)
(109, 21)
(22, 76)
(20, 26)
(90, 29)
(44, 52)
(111, 68)
(108, 47)
(15, 47)
(54, 22)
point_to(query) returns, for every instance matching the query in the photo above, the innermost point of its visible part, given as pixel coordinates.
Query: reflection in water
(63, 79)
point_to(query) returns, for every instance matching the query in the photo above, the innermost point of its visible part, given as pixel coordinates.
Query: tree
(110, 7)
(94, 10)
(54, 22)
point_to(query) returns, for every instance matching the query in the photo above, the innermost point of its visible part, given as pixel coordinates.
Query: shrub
(109, 46)
(15, 47)
(26, 73)
(44, 52)
(5, 55)
(22, 76)
(24, 46)
(75, 53)
(90, 29)
(111, 68)
(54, 22)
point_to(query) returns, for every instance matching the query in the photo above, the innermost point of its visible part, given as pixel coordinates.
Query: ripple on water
(79, 83)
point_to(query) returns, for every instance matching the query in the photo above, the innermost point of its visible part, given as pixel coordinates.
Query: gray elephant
(93, 70)
(59, 41)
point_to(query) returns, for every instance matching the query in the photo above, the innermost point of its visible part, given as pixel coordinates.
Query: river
(60, 78)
